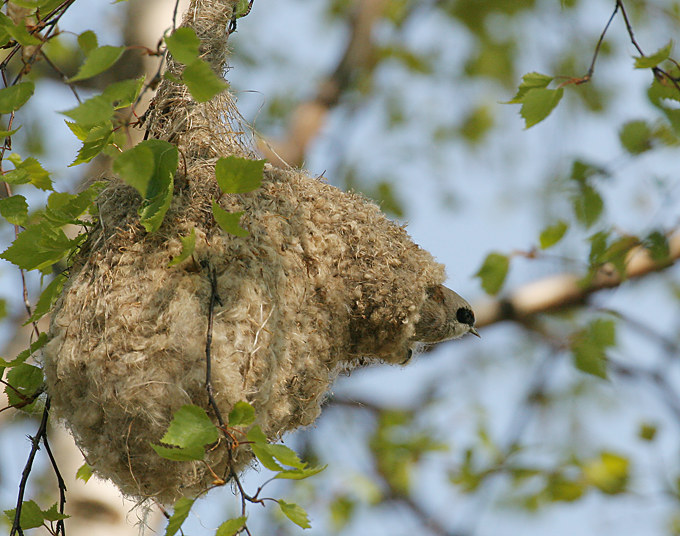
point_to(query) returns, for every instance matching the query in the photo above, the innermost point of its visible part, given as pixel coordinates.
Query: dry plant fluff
(323, 282)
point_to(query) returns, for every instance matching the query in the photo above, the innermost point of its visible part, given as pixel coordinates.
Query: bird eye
(465, 316)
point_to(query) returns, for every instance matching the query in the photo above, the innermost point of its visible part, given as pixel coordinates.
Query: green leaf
(150, 168)
(241, 8)
(589, 347)
(242, 414)
(53, 514)
(18, 32)
(136, 167)
(530, 81)
(87, 41)
(228, 221)
(84, 472)
(27, 379)
(32, 169)
(202, 82)
(7, 133)
(237, 175)
(124, 93)
(538, 103)
(180, 454)
(587, 205)
(97, 61)
(264, 456)
(25, 354)
(14, 97)
(657, 244)
(188, 245)
(183, 45)
(14, 209)
(636, 137)
(63, 208)
(94, 111)
(286, 456)
(617, 253)
(31, 516)
(190, 426)
(231, 527)
(647, 431)
(342, 511)
(97, 139)
(493, 272)
(647, 62)
(295, 513)
(47, 298)
(662, 89)
(300, 474)
(39, 246)
(180, 513)
(598, 246)
(553, 234)
(609, 473)
(260, 446)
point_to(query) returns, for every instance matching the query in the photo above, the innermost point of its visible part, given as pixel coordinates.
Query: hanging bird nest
(323, 282)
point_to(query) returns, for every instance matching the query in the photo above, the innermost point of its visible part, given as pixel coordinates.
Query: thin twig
(35, 446)
(208, 344)
(61, 529)
(62, 75)
(591, 69)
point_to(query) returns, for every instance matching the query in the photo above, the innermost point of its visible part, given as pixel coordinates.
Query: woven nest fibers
(323, 282)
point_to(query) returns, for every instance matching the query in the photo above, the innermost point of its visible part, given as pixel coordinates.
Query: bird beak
(474, 332)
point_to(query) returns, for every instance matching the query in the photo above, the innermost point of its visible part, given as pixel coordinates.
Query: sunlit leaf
(53, 514)
(25, 354)
(14, 97)
(190, 426)
(553, 234)
(181, 510)
(39, 246)
(609, 473)
(14, 209)
(94, 111)
(31, 515)
(493, 272)
(88, 41)
(538, 103)
(24, 382)
(242, 414)
(237, 175)
(84, 472)
(295, 513)
(229, 221)
(188, 245)
(530, 81)
(202, 81)
(231, 526)
(47, 298)
(183, 45)
(647, 62)
(97, 61)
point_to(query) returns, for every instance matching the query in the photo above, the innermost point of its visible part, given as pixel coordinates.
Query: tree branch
(565, 290)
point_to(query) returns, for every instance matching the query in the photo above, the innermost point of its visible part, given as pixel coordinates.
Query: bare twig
(35, 446)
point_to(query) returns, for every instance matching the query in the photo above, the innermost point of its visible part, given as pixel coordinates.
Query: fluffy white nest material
(323, 282)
